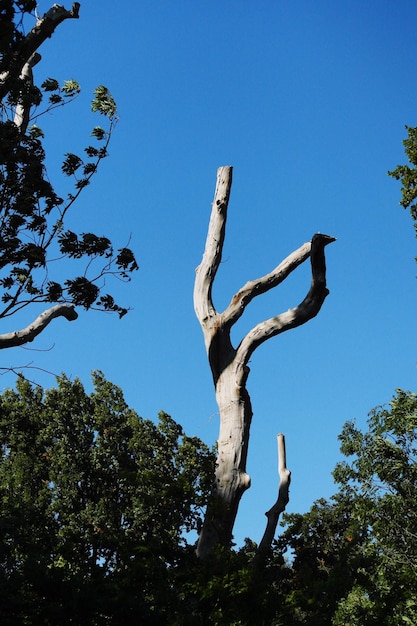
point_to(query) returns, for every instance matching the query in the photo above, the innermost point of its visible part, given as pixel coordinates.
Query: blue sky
(308, 101)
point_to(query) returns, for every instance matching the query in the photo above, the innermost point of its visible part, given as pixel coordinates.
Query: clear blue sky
(308, 101)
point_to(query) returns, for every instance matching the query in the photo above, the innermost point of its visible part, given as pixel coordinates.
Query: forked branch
(300, 314)
(207, 270)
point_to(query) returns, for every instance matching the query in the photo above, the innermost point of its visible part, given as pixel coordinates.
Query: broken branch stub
(283, 496)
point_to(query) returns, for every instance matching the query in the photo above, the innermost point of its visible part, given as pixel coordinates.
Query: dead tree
(229, 364)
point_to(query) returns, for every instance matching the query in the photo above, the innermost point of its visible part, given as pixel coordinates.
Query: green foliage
(383, 479)
(103, 102)
(30, 208)
(355, 557)
(384, 472)
(95, 503)
(326, 548)
(407, 174)
(98, 133)
(69, 89)
(231, 588)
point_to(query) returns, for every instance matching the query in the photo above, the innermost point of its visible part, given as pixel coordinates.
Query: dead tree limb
(229, 365)
(28, 334)
(22, 112)
(43, 29)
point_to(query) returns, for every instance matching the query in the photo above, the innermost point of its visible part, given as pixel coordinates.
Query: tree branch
(255, 288)
(206, 271)
(43, 29)
(28, 334)
(22, 113)
(300, 314)
(283, 496)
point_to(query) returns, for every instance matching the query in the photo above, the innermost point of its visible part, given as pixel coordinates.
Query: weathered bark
(43, 29)
(229, 365)
(283, 497)
(28, 334)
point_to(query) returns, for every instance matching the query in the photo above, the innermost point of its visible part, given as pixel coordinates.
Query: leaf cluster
(407, 174)
(33, 236)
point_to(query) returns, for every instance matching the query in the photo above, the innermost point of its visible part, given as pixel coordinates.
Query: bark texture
(229, 364)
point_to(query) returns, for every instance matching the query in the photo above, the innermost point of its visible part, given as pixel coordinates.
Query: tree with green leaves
(382, 482)
(33, 232)
(96, 505)
(325, 547)
(355, 558)
(407, 174)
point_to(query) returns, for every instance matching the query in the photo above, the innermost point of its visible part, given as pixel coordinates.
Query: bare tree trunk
(229, 365)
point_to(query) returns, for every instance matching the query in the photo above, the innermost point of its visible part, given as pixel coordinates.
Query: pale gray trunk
(231, 479)
(22, 112)
(229, 365)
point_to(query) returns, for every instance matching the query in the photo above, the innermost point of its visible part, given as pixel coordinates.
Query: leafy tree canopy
(95, 506)
(355, 557)
(97, 503)
(33, 232)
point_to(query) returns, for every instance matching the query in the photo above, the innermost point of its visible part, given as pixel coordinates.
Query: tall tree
(95, 507)
(229, 364)
(32, 214)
